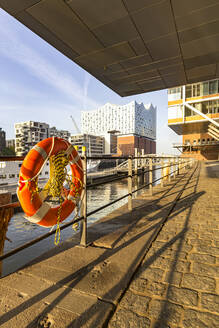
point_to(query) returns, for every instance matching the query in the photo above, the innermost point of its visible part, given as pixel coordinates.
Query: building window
(213, 87)
(205, 88)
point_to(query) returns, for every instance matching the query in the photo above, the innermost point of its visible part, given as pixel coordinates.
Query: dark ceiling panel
(185, 7)
(164, 47)
(171, 69)
(139, 77)
(199, 32)
(200, 47)
(44, 33)
(114, 67)
(60, 19)
(151, 85)
(198, 72)
(116, 32)
(176, 79)
(151, 24)
(167, 62)
(13, 6)
(107, 56)
(138, 46)
(217, 69)
(201, 60)
(98, 12)
(197, 18)
(136, 61)
(134, 5)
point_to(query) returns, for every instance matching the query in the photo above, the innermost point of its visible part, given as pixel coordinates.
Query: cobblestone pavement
(177, 283)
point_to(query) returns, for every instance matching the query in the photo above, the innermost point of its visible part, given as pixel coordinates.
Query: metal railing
(170, 166)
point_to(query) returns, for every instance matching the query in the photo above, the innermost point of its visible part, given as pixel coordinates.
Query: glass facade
(195, 90)
(206, 107)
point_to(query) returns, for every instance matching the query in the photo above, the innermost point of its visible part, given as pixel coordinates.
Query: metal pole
(130, 183)
(179, 165)
(162, 165)
(142, 165)
(136, 161)
(169, 164)
(84, 202)
(174, 168)
(150, 176)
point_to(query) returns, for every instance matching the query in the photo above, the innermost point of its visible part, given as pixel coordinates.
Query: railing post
(136, 161)
(142, 165)
(84, 202)
(162, 169)
(169, 164)
(150, 176)
(179, 165)
(130, 183)
(174, 167)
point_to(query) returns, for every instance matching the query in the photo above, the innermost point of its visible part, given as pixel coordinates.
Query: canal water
(21, 231)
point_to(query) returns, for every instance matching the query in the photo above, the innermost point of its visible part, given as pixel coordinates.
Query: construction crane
(75, 125)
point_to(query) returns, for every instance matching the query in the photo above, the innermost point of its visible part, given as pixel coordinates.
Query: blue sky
(38, 83)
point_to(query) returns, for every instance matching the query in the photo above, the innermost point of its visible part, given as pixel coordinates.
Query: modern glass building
(193, 112)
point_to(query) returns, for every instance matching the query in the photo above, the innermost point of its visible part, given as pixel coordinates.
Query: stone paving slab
(62, 307)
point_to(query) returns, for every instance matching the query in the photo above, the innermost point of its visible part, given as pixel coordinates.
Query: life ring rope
(59, 157)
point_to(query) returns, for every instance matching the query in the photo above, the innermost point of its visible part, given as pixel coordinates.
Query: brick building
(126, 145)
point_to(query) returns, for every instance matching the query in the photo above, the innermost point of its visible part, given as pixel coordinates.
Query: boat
(9, 172)
(92, 166)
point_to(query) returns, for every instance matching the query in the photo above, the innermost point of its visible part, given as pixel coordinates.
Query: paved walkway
(112, 283)
(177, 284)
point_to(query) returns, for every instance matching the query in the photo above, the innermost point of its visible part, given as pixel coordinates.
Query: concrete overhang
(191, 127)
(132, 46)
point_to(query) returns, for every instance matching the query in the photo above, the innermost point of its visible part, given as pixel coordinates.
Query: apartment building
(94, 144)
(10, 143)
(193, 112)
(53, 132)
(132, 119)
(27, 134)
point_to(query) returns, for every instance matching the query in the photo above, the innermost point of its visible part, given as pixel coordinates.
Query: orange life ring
(36, 209)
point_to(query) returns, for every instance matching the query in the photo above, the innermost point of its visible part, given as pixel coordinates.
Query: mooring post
(84, 202)
(162, 170)
(150, 176)
(130, 183)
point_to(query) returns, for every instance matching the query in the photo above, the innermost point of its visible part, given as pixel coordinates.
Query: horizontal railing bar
(10, 205)
(11, 158)
(108, 181)
(127, 157)
(38, 239)
(108, 204)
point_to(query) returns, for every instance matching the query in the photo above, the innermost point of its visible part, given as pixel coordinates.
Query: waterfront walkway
(155, 267)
